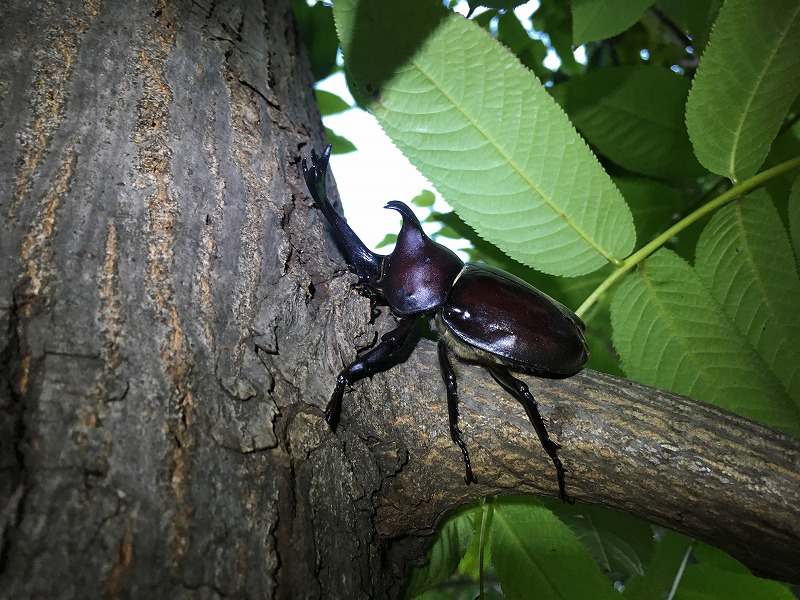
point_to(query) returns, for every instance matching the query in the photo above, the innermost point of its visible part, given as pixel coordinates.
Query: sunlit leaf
(745, 84)
(486, 133)
(388, 240)
(424, 199)
(744, 257)
(671, 333)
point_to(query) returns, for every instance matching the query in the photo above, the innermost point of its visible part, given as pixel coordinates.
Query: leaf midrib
(744, 114)
(514, 165)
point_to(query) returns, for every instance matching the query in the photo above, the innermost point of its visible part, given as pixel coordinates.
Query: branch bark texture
(671, 460)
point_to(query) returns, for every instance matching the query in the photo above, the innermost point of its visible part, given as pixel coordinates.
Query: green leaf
(662, 570)
(556, 19)
(634, 116)
(692, 17)
(654, 205)
(530, 52)
(485, 18)
(594, 20)
(714, 557)
(483, 130)
(319, 34)
(443, 556)
(620, 545)
(794, 219)
(744, 257)
(329, 103)
(340, 144)
(745, 84)
(424, 199)
(705, 582)
(533, 550)
(502, 4)
(470, 564)
(388, 240)
(671, 333)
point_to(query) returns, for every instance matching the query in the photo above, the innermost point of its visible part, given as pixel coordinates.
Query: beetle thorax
(418, 275)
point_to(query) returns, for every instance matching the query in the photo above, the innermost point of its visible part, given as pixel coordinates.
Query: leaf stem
(488, 509)
(679, 575)
(637, 257)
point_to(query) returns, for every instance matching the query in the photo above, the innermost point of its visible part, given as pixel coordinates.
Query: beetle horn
(412, 242)
(412, 229)
(365, 263)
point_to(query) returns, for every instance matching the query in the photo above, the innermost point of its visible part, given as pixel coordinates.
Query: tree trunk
(163, 344)
(172, 316)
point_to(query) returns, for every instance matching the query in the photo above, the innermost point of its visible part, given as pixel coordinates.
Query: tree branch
(673, 461)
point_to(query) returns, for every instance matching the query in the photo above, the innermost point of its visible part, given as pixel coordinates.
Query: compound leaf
(744, 257)
(671, 333)
(485, 132)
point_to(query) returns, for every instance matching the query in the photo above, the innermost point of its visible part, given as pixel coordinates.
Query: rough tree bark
(172, 316)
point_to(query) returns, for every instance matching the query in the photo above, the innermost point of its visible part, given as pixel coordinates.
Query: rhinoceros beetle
(483, 315)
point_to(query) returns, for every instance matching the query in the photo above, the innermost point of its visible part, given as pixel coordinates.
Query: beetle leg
(370, 362)
(449, 377)
(521, 392)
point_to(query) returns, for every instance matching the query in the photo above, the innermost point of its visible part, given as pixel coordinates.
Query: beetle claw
(331, 418)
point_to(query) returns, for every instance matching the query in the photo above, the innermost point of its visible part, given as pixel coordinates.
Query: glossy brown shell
(498, 313)
(418, 275)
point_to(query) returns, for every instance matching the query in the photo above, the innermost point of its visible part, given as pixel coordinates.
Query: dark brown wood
(173, 313)
(160, 336)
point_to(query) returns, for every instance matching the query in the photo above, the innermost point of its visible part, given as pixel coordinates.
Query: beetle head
(418, 275)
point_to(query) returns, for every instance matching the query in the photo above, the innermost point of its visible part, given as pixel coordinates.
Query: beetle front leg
(521, 392)
(370, 362)
(450, 384)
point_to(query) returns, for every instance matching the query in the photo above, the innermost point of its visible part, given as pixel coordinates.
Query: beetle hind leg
(521, 392)
(450, 384)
